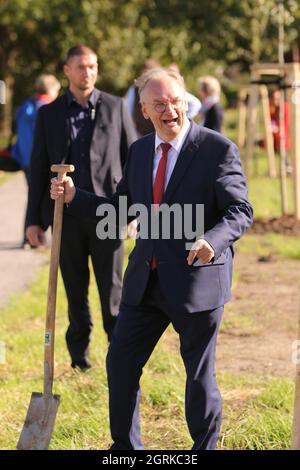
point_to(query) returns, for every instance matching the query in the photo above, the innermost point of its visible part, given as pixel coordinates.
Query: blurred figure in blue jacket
(46, 90)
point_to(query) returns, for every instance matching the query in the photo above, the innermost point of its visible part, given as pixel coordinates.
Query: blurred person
(274, 104)
(143, 126)
(194, 104)
(46, 90)
(211, 113)
(92, 130)
(17, 156)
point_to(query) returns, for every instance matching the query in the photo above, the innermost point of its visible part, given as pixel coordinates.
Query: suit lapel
(62, 124)
(101, 123)
(149, 156)
(185, 158)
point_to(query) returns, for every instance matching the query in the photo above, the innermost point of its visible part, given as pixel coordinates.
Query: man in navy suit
(165, 282)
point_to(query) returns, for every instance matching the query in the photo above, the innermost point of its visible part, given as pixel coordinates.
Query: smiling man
(181, 163)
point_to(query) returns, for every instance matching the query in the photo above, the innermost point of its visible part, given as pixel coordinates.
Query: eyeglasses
(161, 107)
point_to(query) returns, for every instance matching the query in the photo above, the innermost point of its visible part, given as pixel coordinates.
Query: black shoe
(83, 365)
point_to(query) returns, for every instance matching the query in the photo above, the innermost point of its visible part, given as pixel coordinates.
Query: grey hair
(156, 74)
(209, 85)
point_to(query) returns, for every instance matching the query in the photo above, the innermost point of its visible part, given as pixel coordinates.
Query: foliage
(203, 36)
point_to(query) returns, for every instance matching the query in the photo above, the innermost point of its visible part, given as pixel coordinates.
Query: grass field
(257, 408)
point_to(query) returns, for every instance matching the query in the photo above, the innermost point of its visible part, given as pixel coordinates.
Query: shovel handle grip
(61, 171)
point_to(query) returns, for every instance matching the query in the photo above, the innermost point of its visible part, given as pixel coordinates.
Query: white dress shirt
(176, 146)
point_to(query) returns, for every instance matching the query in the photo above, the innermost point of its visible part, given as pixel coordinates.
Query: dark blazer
(214, 118)
(113, 133)
(208, 171)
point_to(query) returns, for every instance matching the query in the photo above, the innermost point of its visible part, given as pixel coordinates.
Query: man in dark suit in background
(166, 280)
(92, 130)
(211, 112)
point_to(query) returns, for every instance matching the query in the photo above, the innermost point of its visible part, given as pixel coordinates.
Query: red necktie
(159, 183)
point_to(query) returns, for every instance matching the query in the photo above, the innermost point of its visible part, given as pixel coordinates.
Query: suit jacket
(208, 171)
(112, 135)
(214, 118)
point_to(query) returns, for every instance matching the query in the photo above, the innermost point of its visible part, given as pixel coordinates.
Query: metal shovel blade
(39, 423)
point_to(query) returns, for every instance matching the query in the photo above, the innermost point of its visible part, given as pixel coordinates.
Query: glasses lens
(161, 107)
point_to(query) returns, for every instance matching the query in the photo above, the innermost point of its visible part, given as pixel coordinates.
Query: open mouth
(170, 122)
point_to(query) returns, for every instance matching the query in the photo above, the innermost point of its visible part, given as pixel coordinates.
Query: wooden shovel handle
(61, 171)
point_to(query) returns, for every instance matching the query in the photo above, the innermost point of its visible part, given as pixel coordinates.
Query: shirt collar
(178, 141)
(92, 101)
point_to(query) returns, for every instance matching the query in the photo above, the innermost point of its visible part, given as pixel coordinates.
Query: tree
(200, 36)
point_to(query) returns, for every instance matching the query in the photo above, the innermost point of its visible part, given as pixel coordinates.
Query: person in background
(274, 113)
(132, 100)
(209, 91)
(193, 103)
(90, 129)
(17, 156)
(46, 90)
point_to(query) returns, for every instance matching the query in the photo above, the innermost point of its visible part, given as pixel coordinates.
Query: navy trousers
(137, 331)
(78, 242)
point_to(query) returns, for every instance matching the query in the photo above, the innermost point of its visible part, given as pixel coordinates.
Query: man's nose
(169, 106)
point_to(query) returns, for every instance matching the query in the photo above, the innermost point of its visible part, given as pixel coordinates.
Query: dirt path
(260, 323)
(18, 267)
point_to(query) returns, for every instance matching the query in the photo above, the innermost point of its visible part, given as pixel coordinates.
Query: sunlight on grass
(270, 244)
(257, 412)
(262, 420)
(4, 177)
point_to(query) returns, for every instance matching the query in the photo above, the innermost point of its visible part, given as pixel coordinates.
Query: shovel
(39, 423)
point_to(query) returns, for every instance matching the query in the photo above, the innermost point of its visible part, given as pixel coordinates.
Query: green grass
(270, 244)
(257, 411)
(264, 192)
(257, 415)
(4, 177)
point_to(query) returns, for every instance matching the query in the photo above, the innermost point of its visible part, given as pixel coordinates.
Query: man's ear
(144, 111)
(66, 69)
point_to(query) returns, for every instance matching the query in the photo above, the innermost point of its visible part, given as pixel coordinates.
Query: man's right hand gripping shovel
(63, 186)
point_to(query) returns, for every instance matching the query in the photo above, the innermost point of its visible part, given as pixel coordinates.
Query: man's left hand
(201, 249)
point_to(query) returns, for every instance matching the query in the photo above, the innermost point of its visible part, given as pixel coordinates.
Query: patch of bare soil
(260, 323)
(285, 225)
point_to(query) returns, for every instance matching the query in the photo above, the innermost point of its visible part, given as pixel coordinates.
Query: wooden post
(251, 126)
(291, 72)
(282, 139)
(268, 130)
(242, 113)
(295, 134)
